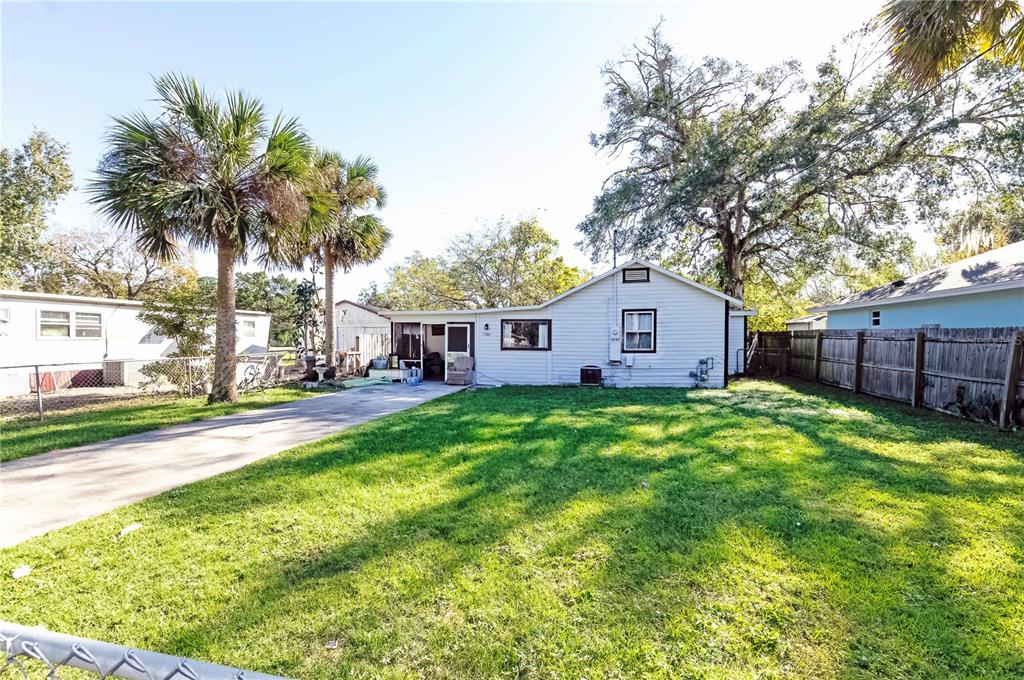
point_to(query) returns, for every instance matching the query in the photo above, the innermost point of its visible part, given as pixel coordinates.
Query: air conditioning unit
(590, 375)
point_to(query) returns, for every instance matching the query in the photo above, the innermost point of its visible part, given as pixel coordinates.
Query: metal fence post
(39, 394)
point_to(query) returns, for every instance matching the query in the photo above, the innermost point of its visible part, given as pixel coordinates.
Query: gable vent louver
(637, 275)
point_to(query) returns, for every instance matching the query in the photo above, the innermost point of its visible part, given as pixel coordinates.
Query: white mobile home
(40, 328)
(635, 325)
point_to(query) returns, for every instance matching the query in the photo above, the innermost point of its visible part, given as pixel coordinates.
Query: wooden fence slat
(918, 393)
(1013, 359)
(858, 360)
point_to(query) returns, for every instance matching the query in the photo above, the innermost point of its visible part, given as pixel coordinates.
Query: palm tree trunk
(329, 307)
(224, 380)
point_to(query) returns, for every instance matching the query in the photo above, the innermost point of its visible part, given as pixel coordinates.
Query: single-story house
(42, 328)
(980, 291)
(808, 322)
(635, 325)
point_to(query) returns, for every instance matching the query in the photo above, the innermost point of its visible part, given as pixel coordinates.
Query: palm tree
(211, 176)
(930, 38)
(354, 237)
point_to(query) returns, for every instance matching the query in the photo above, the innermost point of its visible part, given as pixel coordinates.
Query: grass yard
(765, 531)
(21, 438)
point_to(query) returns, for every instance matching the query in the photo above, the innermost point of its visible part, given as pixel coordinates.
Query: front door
(456, 344)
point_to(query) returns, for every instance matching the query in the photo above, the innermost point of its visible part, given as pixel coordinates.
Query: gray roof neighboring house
(807, 318)
(999, 269)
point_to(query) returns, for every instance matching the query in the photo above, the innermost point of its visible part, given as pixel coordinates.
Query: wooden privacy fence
(969, 372)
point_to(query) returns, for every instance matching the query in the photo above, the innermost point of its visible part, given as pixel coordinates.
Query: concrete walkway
(52, 490)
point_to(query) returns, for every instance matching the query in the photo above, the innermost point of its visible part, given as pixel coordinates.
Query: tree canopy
(33, 178)
(509, 265)
(729, 168)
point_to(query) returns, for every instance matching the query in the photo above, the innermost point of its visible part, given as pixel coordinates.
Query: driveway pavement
(52, 490)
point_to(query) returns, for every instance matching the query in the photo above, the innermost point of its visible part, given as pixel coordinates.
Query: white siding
(124, 336)
(585, 331)
(736, 345)
(372, 329)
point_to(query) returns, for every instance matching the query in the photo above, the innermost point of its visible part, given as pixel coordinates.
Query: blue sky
(474, 111)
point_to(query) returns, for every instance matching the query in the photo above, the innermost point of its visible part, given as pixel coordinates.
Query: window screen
(88, 325)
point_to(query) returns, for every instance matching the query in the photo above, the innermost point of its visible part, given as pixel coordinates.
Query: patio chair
(462, 373)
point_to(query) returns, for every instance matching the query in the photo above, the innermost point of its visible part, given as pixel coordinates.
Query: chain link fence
(39, 390)
(38, 653)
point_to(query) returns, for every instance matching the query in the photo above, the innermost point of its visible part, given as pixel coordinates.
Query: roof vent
(637, 275)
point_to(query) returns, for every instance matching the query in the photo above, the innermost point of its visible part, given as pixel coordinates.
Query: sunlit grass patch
(768, 530)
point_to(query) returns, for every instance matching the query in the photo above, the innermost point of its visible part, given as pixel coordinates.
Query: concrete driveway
(55, 489)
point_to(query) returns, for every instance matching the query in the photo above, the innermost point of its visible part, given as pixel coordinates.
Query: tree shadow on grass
(768, 529)
(640, 534)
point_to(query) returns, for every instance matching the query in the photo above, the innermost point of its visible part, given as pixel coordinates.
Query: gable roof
(998, 269)
(379, 311)
(636, 262)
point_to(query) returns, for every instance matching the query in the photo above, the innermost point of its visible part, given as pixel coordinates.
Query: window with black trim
(639, 330)
(636, 275)
(876, 317)
(526, 334)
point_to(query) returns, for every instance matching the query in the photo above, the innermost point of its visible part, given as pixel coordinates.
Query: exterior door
(456, 344)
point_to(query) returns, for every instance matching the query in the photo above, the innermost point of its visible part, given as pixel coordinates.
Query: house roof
(89, 300)
(379, 311)
(999, 269)
(600, 277)
(807, 318)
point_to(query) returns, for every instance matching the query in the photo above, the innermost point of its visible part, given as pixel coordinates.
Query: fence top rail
(107, 659)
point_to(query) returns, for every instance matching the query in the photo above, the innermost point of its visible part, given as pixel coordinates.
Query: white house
(639, 324)
(40, 328)
(979, 291)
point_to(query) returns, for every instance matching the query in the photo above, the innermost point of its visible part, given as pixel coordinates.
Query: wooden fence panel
(961, 371)
(838, 351)
(801, 354)
(965, 370)
(887, 370)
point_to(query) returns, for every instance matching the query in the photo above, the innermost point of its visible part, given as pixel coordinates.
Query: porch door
(456, 344)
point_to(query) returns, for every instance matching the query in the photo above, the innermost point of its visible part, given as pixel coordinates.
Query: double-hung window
(54, 324)
(639, 330)
(248, 328)
(876, 317)
(526, 334)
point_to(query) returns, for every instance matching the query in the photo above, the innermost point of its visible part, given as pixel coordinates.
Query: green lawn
(765, 531)
(22, 438)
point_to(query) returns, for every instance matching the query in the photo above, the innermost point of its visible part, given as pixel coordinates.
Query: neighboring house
(640, 324)
(980, 291)
(808, 322)
(361, 328)
(40, 328)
